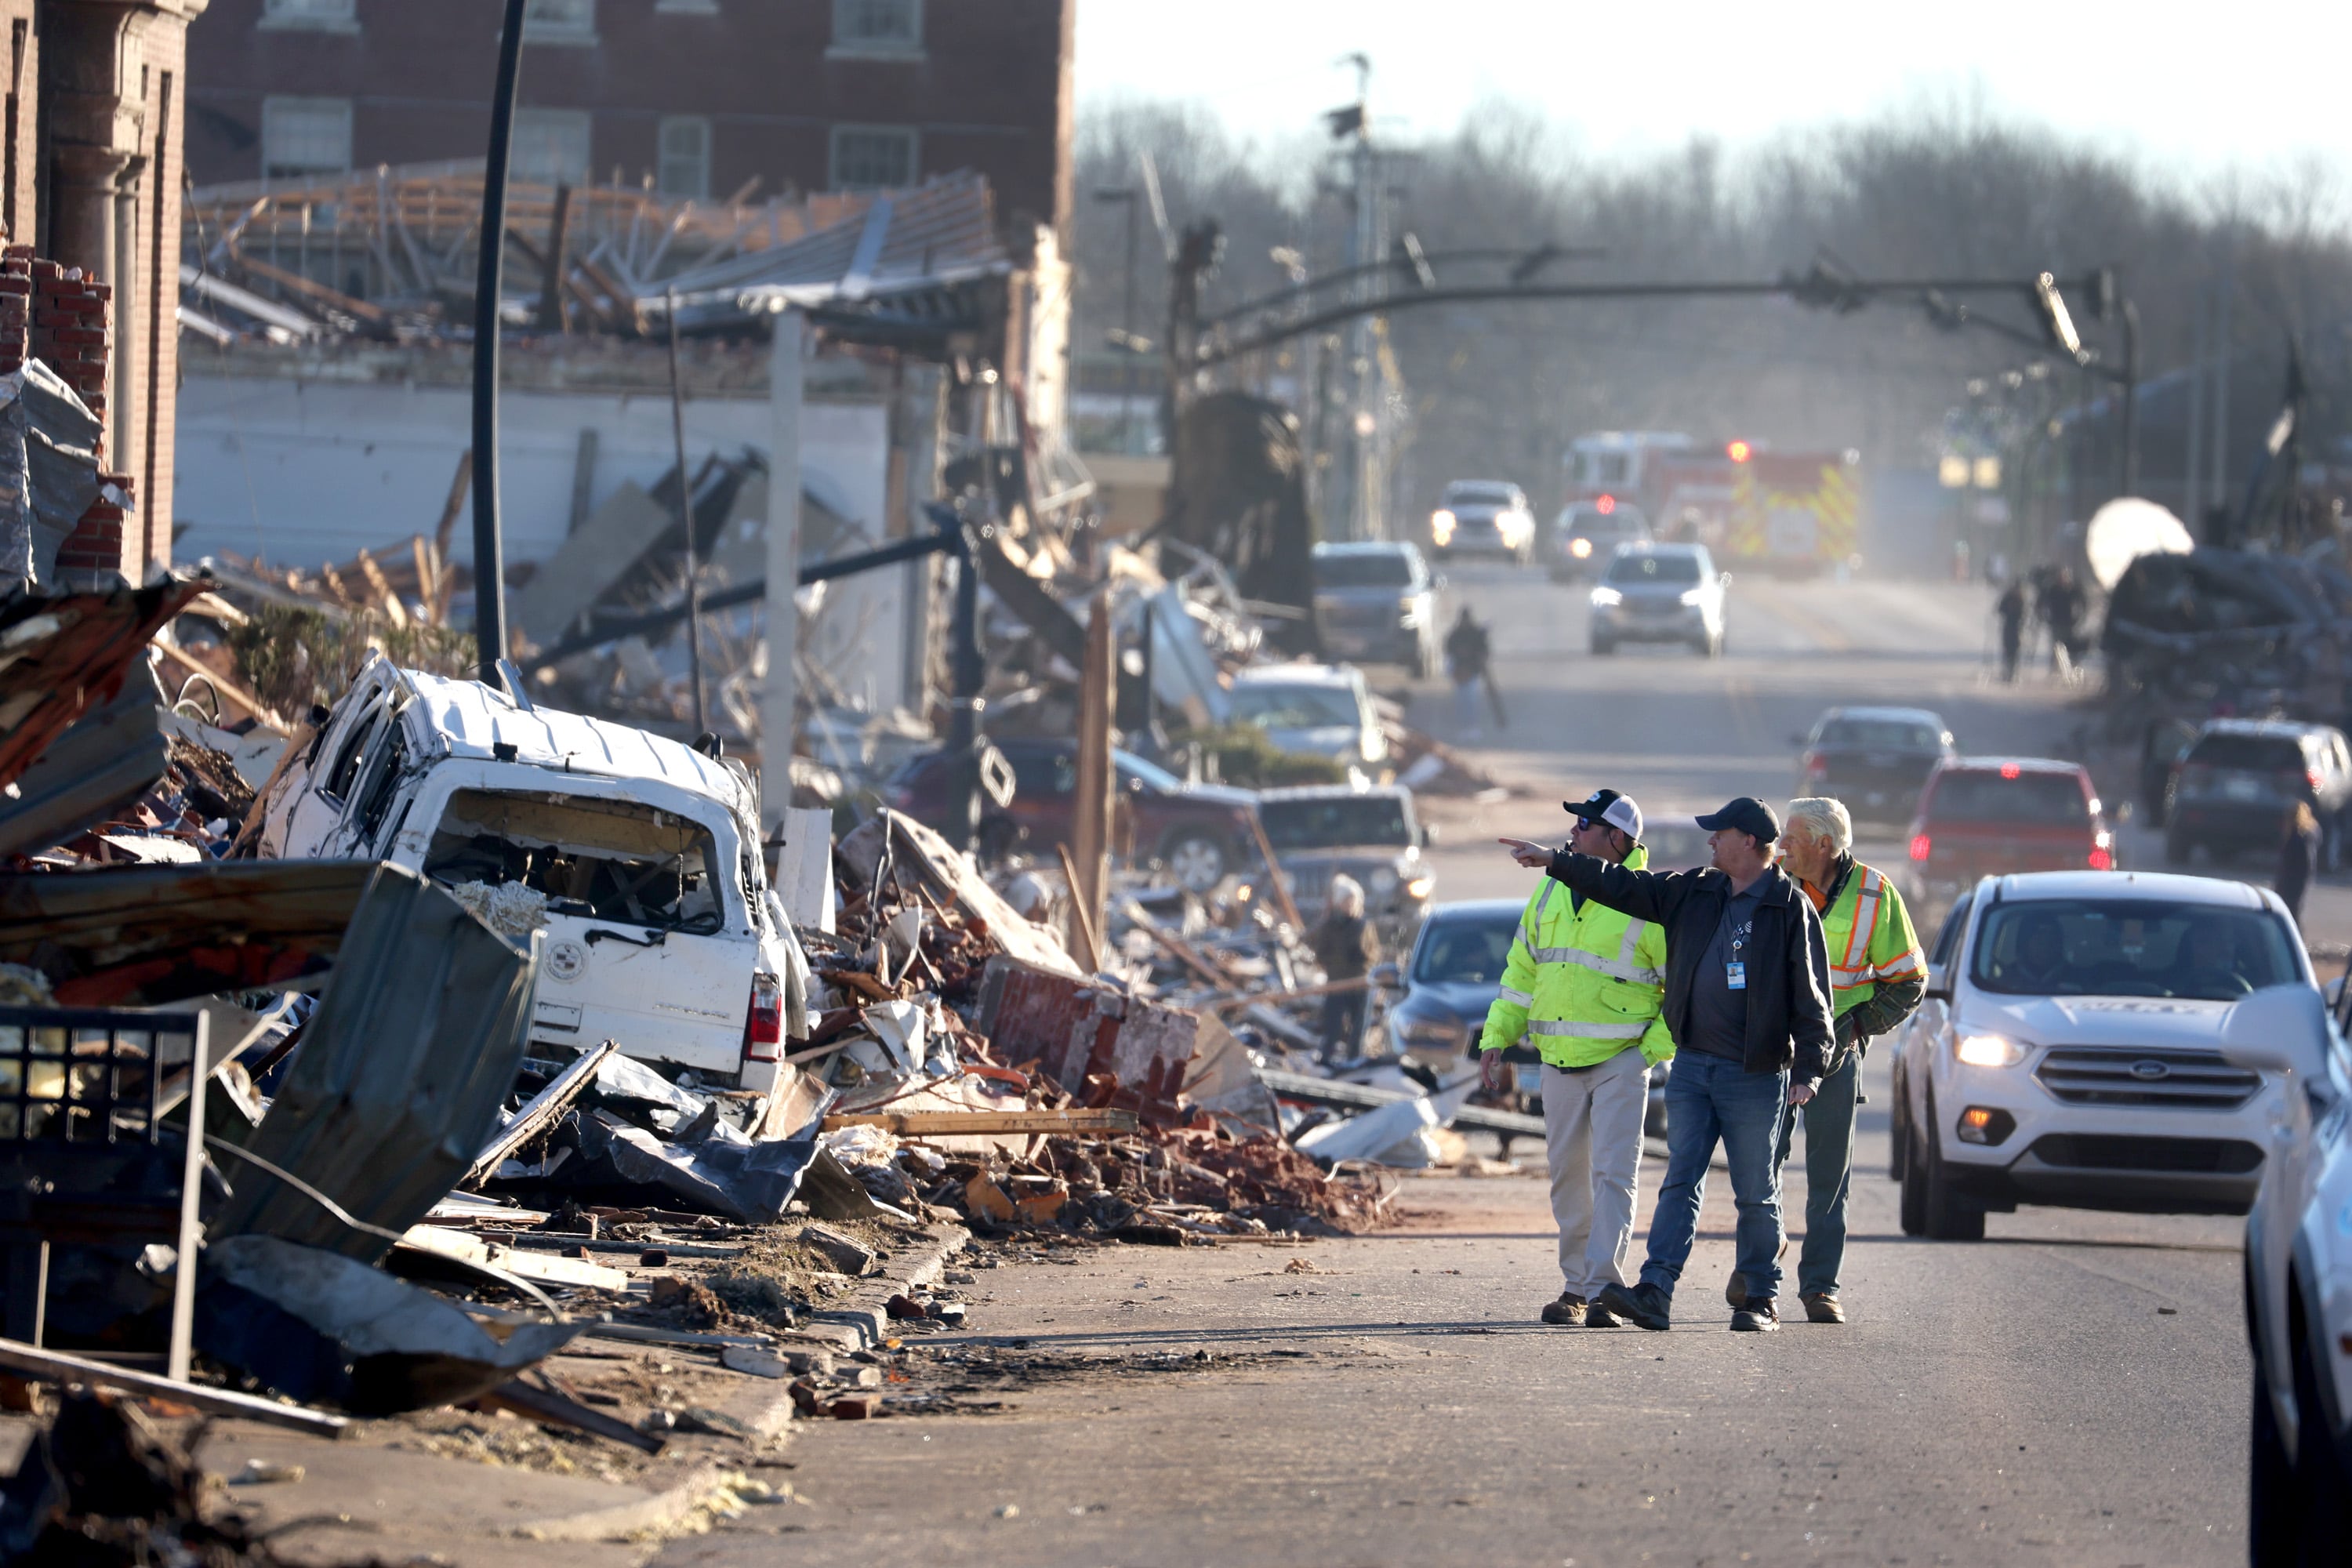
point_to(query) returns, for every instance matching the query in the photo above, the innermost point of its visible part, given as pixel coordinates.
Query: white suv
(2299, 1279)
(2069, 1050)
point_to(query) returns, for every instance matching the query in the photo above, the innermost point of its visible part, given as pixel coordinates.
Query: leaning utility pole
(490, 279)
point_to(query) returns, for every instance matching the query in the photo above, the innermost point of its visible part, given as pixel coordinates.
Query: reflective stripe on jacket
(1582, 984)
(1870, 939)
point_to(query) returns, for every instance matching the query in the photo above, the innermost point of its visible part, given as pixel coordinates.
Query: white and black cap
(1607, 805)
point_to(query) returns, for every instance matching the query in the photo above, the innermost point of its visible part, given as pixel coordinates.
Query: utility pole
(779, 694)
(1126, 197)
(2221, 445)
(685, 520)
(1354, 517)
(490, 279)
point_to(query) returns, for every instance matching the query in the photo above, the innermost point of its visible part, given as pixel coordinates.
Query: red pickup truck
(1982, 816)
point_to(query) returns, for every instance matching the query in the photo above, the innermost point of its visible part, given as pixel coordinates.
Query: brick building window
(559, 22)
(305, 135)
(685, 156)
(877, 26)
(551, 146)
(872, 157)
(319, 16)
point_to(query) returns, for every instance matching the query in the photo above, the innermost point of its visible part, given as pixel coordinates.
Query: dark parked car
(1875, 759)
(2241, 781)
(1376, 603)
(1989, 816)
(1452, 977)
(1322, 831)
(1200, 832)
(1586, 535)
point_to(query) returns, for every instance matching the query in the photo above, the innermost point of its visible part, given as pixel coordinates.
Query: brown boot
(1821, 1307)
(1568, 1312)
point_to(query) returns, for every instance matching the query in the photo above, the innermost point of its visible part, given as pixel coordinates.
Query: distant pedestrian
(2298, 858)
(1468, 652)
(2062, 610)
(1347, 947)
(2011, 607)
(1748, 1005)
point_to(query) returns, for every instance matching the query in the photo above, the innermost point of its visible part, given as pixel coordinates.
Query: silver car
(1375, 600)
(1314, 711)
(1660, 593)
(2299, 1276)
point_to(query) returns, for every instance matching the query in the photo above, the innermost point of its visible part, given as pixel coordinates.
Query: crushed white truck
(638, 857)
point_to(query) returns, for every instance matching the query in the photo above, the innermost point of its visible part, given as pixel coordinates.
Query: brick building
(90, 183)
(701, 96)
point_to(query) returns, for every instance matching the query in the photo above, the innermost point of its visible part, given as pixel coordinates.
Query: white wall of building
(305, 472)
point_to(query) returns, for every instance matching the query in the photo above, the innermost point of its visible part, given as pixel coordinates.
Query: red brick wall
(988, 92)
(69, 332)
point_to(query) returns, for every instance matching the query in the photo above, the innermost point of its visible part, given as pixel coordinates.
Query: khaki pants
(1592, 1141)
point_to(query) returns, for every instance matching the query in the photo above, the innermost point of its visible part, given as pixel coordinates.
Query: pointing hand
(1527, 852)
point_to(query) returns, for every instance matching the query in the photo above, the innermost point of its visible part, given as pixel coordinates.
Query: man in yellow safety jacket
(1585, 985)
(1877, 976)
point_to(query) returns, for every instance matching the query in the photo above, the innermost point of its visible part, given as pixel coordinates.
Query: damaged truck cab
(636, 855)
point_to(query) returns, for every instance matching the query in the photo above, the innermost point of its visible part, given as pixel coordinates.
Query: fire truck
(1788, 513)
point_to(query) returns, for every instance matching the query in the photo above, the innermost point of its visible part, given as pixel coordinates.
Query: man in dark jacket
(1747, 989)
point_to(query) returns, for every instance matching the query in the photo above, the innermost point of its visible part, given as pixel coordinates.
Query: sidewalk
(492, 1490)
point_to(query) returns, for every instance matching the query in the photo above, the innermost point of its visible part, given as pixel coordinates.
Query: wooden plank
(226, 688)
(459, 1247)
(639, 1333)
(539, 1113)
(49, 1366)
(982, 1123)
(1273, 872)
(1089, 950)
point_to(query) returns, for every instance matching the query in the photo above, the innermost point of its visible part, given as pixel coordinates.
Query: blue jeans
(1829, 1175)
(1711, 1099)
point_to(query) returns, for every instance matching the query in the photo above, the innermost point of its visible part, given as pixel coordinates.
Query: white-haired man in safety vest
(1877, 976)
(1585, 985)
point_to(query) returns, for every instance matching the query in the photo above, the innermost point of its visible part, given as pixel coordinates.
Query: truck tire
(1601, 647)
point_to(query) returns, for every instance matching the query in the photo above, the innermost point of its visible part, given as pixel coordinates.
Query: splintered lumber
(940, 1123)
(49, 1366)
(537, 1267)
(540, 1114)
(1184, 952)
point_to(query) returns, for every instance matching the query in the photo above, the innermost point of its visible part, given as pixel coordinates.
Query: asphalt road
(2072, 1389)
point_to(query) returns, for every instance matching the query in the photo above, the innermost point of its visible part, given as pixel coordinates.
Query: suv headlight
(1695, 597)
(1988, 1051)
(1607, 598)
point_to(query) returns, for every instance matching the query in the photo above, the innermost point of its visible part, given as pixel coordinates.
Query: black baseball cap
(1745, 815)
(1607, 805)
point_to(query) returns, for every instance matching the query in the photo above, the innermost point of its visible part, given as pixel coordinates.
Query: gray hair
(1824, 818)
(1346, 895)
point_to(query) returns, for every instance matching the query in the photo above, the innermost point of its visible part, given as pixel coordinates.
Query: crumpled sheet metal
(105, 760)
(407, 1348)
(61, 656)
(400, 1075)
(141, 936)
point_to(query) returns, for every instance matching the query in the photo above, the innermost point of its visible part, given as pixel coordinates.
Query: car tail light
(2102, 858)
(2310, 777)
(1816, 766)
(1921, 846)
(765, 1025)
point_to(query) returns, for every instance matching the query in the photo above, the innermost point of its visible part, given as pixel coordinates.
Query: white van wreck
(637, 855)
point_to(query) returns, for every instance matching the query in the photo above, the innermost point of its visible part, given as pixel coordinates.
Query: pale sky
(2194, 87)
